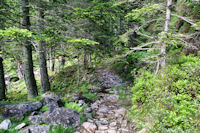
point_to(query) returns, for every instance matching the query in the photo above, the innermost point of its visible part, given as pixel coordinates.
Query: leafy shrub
(44, 108)
(90, 96)
(169, 103)
(75, 106)
(60, 129)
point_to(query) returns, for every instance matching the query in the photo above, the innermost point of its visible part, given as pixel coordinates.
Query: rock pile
(109, 117)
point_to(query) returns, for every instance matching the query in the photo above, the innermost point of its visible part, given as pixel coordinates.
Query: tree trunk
(85, 60)
(44, 77)
(2, 81)
(52, 59)
(20, 70)
(27, 52)
(167, 21)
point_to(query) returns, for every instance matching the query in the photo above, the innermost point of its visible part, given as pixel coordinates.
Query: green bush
(169, 103)
(60, 129)
(90, 96)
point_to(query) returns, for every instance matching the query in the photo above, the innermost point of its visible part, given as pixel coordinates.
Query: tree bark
(167, 21)
(52, 59)
(2, 81)
(20, 70)
(27, 52)
(85, 60)
(44, 77)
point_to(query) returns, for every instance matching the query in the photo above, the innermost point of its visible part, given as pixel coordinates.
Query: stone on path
(6, 124)
(20, 126)
(62, 116)
(36, 129)
(89, 127)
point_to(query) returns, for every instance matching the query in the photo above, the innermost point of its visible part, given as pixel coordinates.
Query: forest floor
(104, 110)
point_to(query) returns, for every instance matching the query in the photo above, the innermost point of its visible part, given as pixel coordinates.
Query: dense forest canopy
(66, 47)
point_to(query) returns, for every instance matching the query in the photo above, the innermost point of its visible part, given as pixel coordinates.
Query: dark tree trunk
(44, 77)
(52, 59)
(85, 60)
(2, 81)
(27, 52)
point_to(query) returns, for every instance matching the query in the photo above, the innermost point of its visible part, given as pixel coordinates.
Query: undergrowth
(169, 102)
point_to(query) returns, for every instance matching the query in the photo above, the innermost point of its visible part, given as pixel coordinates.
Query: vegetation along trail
(99, 66)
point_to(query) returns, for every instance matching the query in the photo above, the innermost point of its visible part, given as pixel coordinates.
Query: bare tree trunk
(167, 21)
(27, 52)
(20, 69)
(2, 81)
(44, 77)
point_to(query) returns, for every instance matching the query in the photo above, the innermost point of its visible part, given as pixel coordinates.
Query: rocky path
(109, 115)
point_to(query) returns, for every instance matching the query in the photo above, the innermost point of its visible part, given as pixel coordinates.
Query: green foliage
(82, 43)
(169, 102)
(124, 66)
(140, 13)
(14, 32)
(75, 106)
(60, 129)
(90, 96)
(44, 108)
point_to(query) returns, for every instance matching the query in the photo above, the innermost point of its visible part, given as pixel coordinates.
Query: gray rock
(112, 98)
(50, 100)
(36, 119)
(36, 129)
(95, 89)
(104, 109)
(52, 96)
(120, 112)
(88, 115)
(88, 110)
(102, 127)
(20, 126)
(6, 124)
(62, 116)
(111, 131)
(108, 79)
(89, 127)
(81, 102)
(18, 110)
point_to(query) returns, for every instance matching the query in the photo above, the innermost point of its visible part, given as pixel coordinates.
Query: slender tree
(27, 52)
(167, 21)
(2, 81)
(44, 78)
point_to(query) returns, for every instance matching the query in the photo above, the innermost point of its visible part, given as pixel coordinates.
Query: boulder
(36, 129)
(18, 110)
(62, 116)
(111, 98)
(6, 124)
(108, 79)
(52, 96)
(36, 119)
(52, 101)
(95, 89)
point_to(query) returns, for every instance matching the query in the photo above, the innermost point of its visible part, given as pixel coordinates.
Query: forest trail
(109, 115)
